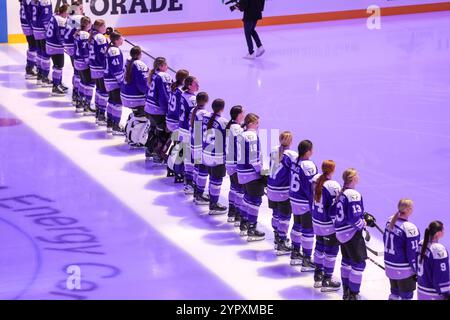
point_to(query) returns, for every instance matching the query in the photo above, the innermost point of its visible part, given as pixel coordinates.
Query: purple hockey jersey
(197, 132)
(55, 35)
(249, 157)
(300, 190)
(433, 273)
(158, 94)
(188, 102)
(214, 140)
(173, 110)
(97, 55)
(133, 93)
(323, 211)
(231, 146)
(114, 73)
(81, 60)
(72, 25)
(280, 174)
(26, 15)
(349, 214)
(41, 14)
(400, 247)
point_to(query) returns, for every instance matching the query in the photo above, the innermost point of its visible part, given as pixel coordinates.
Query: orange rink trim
(268, 21)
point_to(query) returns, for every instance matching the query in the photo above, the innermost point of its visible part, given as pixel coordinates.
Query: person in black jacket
(252, 13)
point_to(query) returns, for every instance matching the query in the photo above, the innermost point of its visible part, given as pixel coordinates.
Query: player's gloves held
(370, 219)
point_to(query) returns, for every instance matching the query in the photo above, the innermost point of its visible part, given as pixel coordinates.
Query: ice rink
(375, 100)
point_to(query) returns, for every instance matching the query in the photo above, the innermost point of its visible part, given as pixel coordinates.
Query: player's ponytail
(113, 37)
(84, 23)
(348, 177)
(157, 65)
(179, 79)
(403, 204)
(285, 142)
(328, 167)
(218, 105)
(135, 52)
(250, 118)
(188, 82)
(95, 27)
(303, 147)
(430, 232)
(62, 9)
(202, 99)
(234, 113)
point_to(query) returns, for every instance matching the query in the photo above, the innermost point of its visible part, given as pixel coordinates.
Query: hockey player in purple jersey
(135, 86)
(200, 175)
(156, 107)
(72, 25)
(188, 102)
(433, 267)
(26, 15)
(300, 194)
(41, 14)
(349, 223)
(278, 184)
(236, 195)
(249, 170)
(401, 240)
(114, 78)
(325, 191)
(173, 110)
(55, 47)
(214, 135)
(82, 65)
(173, 123)
(97, 64)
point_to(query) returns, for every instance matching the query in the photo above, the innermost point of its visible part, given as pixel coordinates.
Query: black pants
(58, 61)
(250, 32)
(32, 45)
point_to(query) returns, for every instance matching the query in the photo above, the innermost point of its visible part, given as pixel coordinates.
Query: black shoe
(217, 208)
(329, 285)
(117, 130)
(276, 239)
(101, 119)
(74, 99)
(179, 178)
(87, 111)
(58, 91)
(39, 79)
(46, 82)
(346, 294)
(30, 73)
(109, 125)
(237, 220)
(296, 258)
(200, 199)
(283, 247)
(231, 213)
(254, 234)
(79, 108)
(170, 173)
(307, 265)
(354, 296)
(64, 87)
(318, 278)
(243, 227)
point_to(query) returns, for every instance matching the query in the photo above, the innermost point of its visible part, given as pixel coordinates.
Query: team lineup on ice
(216, 181)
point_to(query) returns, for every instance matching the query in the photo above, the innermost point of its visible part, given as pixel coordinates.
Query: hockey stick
(147, 54)
(367, 238)
(376, 263)
(376, 253)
